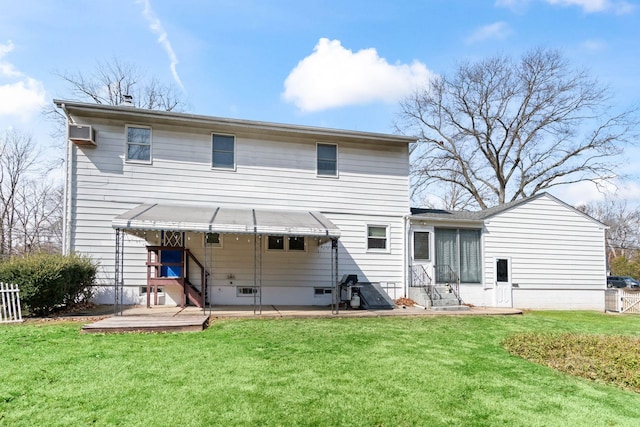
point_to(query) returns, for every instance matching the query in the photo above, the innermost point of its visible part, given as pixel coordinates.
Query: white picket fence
(10, 310)
(622, 301)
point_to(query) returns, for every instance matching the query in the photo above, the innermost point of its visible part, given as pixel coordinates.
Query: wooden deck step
(118, 324)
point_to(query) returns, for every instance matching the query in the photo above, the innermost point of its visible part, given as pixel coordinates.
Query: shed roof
(226, 220)
(482, 215)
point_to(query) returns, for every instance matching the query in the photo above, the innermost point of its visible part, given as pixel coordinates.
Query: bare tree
(109, 83)
(112, 80)
(502, 129)
(623, 235)
(39, 217)
(17, 157)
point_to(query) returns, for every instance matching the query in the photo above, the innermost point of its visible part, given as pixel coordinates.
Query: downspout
(407, 252)
(68, 196)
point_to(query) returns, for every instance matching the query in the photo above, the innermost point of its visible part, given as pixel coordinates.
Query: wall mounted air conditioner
(82, 135)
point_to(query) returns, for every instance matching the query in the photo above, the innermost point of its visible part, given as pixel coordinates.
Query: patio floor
(176, 319)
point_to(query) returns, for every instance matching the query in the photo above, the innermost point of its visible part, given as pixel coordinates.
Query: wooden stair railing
(190, 293)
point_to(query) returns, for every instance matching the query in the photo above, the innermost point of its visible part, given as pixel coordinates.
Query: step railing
(446, 276)
(420, 278)
(197, 294)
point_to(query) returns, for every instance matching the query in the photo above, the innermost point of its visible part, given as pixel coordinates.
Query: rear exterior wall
(271, 173)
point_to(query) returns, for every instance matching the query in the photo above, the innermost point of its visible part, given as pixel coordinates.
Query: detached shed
(535, 253)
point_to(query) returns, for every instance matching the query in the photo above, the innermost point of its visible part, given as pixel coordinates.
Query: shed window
(223, 148)
(327, 155)
(138, 144)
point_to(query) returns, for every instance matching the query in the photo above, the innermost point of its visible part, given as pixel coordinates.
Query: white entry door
(503, 286)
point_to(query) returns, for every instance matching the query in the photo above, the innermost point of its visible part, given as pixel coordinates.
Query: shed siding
(557, 256)
(270, 174)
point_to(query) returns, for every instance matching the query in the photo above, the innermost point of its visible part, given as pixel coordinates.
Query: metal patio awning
(224, 220)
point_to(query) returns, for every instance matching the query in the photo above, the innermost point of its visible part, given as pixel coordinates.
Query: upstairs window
(327, 156)
(223, 151)
(138, 144)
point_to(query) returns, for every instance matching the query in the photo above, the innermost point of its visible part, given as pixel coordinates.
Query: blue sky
(340, 64)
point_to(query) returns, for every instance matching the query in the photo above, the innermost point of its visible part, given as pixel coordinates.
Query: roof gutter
(112, 110)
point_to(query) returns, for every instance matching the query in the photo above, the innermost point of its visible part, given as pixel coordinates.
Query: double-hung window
(138, 144)
(223, 151)
(378, 238)
(327, 159)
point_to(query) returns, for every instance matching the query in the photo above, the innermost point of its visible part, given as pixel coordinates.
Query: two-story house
(183, 208)
(180, 208)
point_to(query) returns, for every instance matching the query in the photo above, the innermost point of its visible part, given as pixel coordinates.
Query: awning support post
(118, 286)
(257, 273)
(335, 305)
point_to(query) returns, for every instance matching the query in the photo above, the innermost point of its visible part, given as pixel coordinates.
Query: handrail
(187, 255)
(419, 276)
(444, 273)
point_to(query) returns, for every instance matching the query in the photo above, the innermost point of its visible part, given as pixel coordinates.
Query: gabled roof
(128, 113)
(482, 215)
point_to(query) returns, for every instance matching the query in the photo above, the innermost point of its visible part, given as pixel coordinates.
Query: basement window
(247, 291)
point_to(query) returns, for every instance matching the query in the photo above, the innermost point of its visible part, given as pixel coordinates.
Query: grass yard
(394, 371)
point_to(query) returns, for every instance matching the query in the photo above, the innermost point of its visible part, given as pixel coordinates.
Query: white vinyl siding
(552, 247)
(272, 173)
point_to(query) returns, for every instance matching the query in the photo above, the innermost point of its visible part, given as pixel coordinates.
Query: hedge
(49, 281)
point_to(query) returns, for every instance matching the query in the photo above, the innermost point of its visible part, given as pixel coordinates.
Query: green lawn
(389, 371)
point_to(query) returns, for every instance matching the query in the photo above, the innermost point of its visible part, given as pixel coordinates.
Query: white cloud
(163, 38)
(333, 76)
(20, 96)
(586, 192)
(594, 45)
(588, 6)
(496, 31)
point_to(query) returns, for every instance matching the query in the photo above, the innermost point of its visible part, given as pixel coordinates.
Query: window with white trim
(327, 159)
(378, 238)
(223, 151)
(138, 144)
(421, 245)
